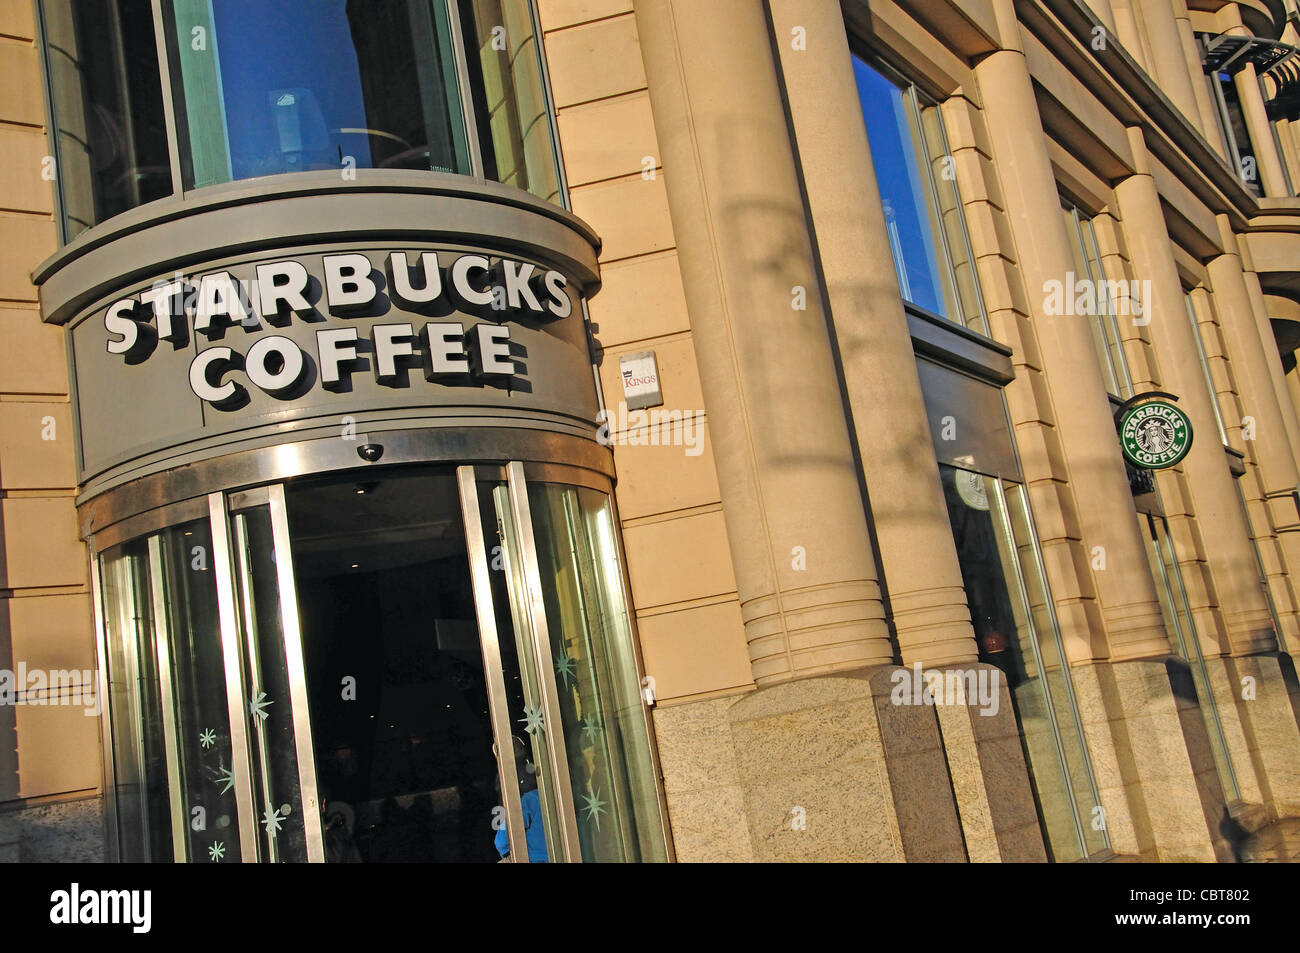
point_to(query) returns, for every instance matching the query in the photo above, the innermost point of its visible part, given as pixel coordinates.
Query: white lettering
(348, 286)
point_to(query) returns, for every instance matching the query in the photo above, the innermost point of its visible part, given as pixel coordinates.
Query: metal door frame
(220, 509)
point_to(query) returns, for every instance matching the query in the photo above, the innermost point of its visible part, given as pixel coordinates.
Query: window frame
(913, 99)
(1194, 304)
(1085, 233)
(464, 91)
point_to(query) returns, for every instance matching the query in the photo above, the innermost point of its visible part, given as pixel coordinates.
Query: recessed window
(1194, 318)
(916, 175)
(1099, 301)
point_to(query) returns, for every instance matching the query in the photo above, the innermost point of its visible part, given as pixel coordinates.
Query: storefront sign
(640, 375)
(1154, 433)
(343, 286)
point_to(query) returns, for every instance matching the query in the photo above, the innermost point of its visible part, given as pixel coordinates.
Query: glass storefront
(1180, 623)
(252, 88)
(354, 668)
(1016, 631)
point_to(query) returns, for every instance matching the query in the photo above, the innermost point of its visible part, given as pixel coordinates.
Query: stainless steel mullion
(511, 566)
(562, 181)
(127, 620)
(167, 701)
(169, 104)
(1022, 590)
(535, 605)
(926, 169)
(105, 714)
(240, 765)
(291, 629)
(594, 618)
(1068, 682)
(460, 57)
(625, 589)
(489, 643)
(240, 553)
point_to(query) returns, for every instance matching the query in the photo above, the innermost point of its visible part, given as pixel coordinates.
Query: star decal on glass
(594, 805)
(227, 775)
(208, 738)
(271, 820)
(258, 706)
(566, 668)
(532, 720)
(217, 851)
(591, 727)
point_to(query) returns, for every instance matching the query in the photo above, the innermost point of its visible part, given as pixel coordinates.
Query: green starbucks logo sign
(1155, 434)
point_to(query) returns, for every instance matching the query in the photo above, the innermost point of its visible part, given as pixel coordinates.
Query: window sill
(953, 345)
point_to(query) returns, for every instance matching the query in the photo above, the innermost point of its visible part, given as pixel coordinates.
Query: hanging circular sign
(970, 487)
(1155, 434)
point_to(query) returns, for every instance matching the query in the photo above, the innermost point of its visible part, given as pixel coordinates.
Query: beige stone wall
(46, 751)
(687, 610)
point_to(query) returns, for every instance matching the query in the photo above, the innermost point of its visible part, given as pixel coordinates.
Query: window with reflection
(269, 86)
(1104, 296)
(605, 732)
(266, 87)
(1232, 127)
(918, 188)
(173, 757)
(1016, 631)
(109, 131)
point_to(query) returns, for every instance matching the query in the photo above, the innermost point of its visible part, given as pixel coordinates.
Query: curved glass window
(415, 664)
(251, 88)
(269, 86)
(109, 133)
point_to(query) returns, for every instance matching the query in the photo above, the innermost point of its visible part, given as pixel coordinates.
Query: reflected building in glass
(523, 431)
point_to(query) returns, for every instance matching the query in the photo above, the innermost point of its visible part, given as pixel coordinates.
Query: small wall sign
(640, 375)
(1153, 432)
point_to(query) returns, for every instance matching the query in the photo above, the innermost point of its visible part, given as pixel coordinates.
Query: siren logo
(1155, 434)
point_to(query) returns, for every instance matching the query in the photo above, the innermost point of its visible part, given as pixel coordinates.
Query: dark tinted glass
(110, 133)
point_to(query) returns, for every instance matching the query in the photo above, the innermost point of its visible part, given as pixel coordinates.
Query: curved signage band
(1153, 432)
(263, 316)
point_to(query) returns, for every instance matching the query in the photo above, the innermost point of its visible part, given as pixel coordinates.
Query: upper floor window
(1098, 296)
(1232, 127)
(250, 88)
(1194, 317)
(1245, 73)
(109, 134)
(923, 213)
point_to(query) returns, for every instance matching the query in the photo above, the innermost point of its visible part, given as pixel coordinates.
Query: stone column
(1130, 34)
(982, 751)
(1259, 307)
(1126, 592)
(1218, 510)
(1102, 11)
(1261, 131)
(1168, 66)
(805, 571)
(916, 553)
(1277, 463)
(1205, 119)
